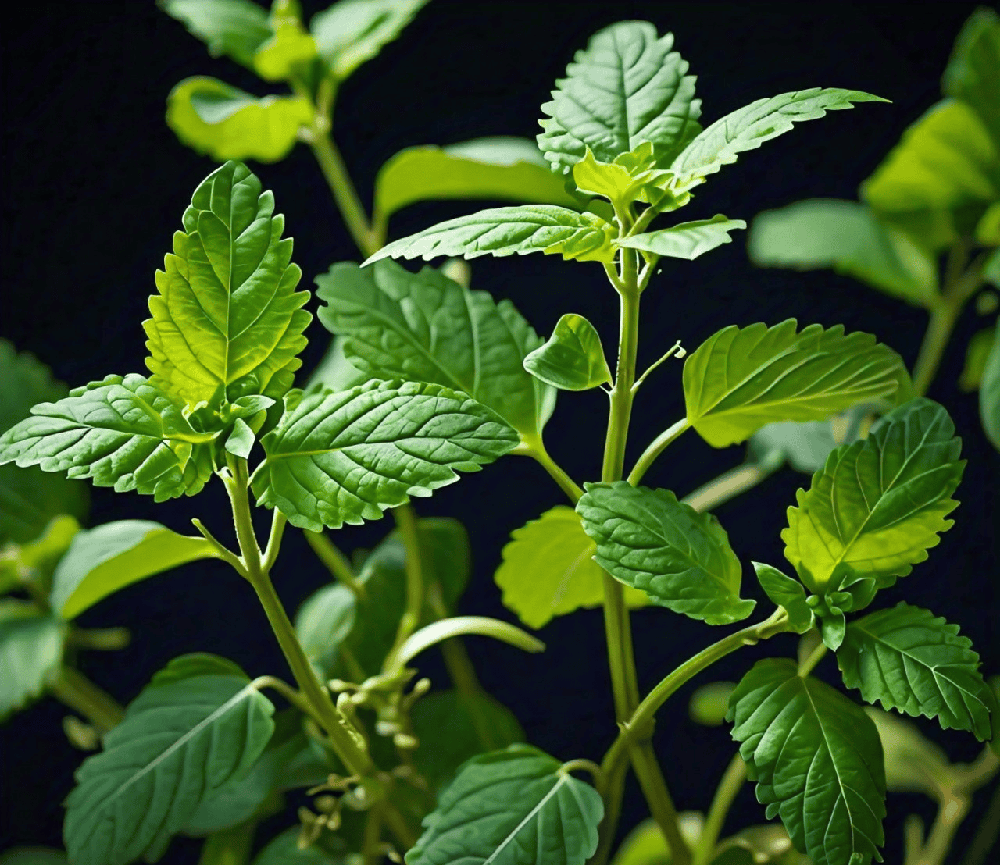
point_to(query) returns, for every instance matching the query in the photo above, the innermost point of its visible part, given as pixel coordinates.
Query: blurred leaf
(195, 664)
(235, 28)
(645, 844)
(289, 48)
(284, 850)
(989, 393)
(977, 352)
(33, 856)
(31, 649)
(710, 703)
(973, 71)
(35, 562)
(913, 764)
(335, 371)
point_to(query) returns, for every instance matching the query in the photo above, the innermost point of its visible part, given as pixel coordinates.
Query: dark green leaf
(573, 358)
(195, 664)
(971, 74)
(989, 393)
(686, 239)
(786, 593)
(31, 649)
(235, 28)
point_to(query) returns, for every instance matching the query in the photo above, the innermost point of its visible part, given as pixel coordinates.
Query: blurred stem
(986, 835)
(102, 639)
(406, 525)
(611, 791)
(73, 689)
(727, 486)
(229, 846)
(335, 561)
(730, 784)
(951, 813)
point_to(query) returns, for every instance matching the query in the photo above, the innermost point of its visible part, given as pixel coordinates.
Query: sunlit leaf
(572, 358)
(786, 593)
(289, 49)
(31, 650)
(971, 74)
(686, 239)
(235, 28)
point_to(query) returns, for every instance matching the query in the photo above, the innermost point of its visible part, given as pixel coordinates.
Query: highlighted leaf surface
(687, 239)
(572, 358)
(235, 28)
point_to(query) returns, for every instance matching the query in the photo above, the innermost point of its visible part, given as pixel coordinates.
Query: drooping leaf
(686, 239)
(787, 593)
(850, 239)
(971, 74)
(235, 28)
(502, 231)
(913, 764)
(227, 315)
(178, 744)
(907, 659)
(32, 564)
(572, 358)
(817, 761)
(219, 120)
(989, 393)
(31, 649)
(426, 327)
(626, 88)
(548, 569)
(652, 542)
(289, 50)
(105, 559)
(879, 504)
(977, 352)
(511, 807)
(120, 432)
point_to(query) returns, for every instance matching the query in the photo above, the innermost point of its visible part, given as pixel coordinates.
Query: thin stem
(611, 791)
(730, 784)
(289, 693)
(371, 846)
(535, 449)
(335, 561)
(950, 815)
(278, 523)
(808, 664)
(727, 486)
(987, 833)
(674, 350)
(406, 525)
(73, 689)
(656, 447)
(231, 846)
(223, 551)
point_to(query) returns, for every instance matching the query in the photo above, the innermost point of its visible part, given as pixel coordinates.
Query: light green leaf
(351, 32)
(193, 665)
(548, 570)
(503, 231)
(741, 378)
(913, 764)
(289, 49)
(626, 88)
(710, 703)
(906, 659)
(33, 856)
(878, 504)
(991, 269)
(972, 72)
(512, 807)
(749, 127)
(686, 239)
(573, 358)
(977, 353)
(630, 177)
(335, 371)
(989, 393)
(284, 850)
(426, 327)
(106, 559)
(227, 315)
(235, 28)
(987, 232)
(652, 542)
(645, 844)
(178, 745)
(850, 239)
(23, 565)
(31, 650)
(120, 432)
(786, 593)
(817, 761)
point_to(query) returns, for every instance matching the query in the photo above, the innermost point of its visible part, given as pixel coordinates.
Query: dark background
(94, 184)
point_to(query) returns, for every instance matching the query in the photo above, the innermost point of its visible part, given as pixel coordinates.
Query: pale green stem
(406, 525)
(730, 784)
(102, 639)
(535, 448)
(221, 549)
(727, 486)
(656, 447)
(278, 523)
(951, 812)
(73, 689)
(335, 561)
(986, 835)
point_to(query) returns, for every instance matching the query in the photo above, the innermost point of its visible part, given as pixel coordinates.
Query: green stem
(335, 561)
(730, 784)
(406, 525)
(656, 447)
(728, 485)
(612, 791)
(73, 689)
(986, 835)
(950, 815)
(231, 846)
(101, 639)
(535, 448)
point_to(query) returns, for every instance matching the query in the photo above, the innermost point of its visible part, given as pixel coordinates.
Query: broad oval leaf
(511, 807)
(971, 74)
(817, 761)
(572, 358)
(652, 542)
(235, 28)
(786, 593)
(879, 504)
(741, 378)
(31, 650)
(686, 239)
(219, 120)
(227, 315)
(625, 89)
(989, 393)
(105, 559)
(907, 659)
(178, 744)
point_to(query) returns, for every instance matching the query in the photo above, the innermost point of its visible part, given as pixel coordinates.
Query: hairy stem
(730, 784)
(73, 689)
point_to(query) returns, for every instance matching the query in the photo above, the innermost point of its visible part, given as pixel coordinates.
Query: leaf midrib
(510, 836)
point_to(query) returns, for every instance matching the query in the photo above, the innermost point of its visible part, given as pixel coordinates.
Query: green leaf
(235, 28)
(284, 850)
(626, 88)
(709, 703)
(749, 127)
(741, 378)
(512, 807)
(193, 665)
(679, 557)
(227, 315)
(976, 354)
(335, 371)
(878, 504)
(548, 570)
(848, 238)
(786, 593)
(289, 50)
(351, 32)
(906, 659)
(426, 327)
(33, 856)
(989, 393)
(120, 432)
(817, 761)
(23, 565)
(573, 358)
(913, 764)
(686, 239)
(31, 650)
(224, 122)
(105, 559)
(179, 744)
(971, 74)
(322, 624)
(503, 231)
(645, 844)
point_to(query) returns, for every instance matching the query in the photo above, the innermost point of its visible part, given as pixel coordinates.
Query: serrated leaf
(426, 327)
(178, 744)
(290, 47)
(817, 761)
(548, 569)
(913, 764)
(741, 378)
(109, 557)
(511, 807)
(227, 315)
(24, 565)
(971, 74)
(848, 238)
(686, 239)
(786, 593)
(879, 504)
(572, 358)
(626, 88)
(749, 127)
(31, 650)
(235, 28)
(989, 393)
(120, 432)
(502, 231)
(652, 542)
(907, 659)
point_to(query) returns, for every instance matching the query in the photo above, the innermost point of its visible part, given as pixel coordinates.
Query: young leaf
(105, 559)
(511, 807)
(219, 120)
(679, 557)
(786, 593)
(23, 565)
(426, 327)
(749, 127)
(289, 50)
(989, 393)
(878, 504)
(573, 358)
(346, 457)
(31, 650)
(817, 761)
(227, 314)
(908, 660)
(235, 28)
(971, 72)
(503, 231)
(178, 745)
(686, 239)
(850, 239)
(120, 432)
(626, 88)
(548, 570)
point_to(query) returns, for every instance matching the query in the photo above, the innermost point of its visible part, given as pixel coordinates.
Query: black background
(95, 184)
